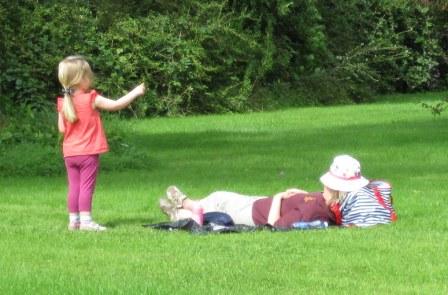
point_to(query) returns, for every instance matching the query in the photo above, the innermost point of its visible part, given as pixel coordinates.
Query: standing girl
(84, 137)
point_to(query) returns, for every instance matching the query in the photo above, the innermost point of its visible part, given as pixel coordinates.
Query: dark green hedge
(217, 56)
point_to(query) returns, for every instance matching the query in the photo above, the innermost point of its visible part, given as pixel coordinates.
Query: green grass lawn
(260, 153)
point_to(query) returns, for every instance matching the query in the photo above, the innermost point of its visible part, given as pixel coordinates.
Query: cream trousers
(239, 207)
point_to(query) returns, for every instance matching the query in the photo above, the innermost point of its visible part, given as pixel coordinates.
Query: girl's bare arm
(107, 104)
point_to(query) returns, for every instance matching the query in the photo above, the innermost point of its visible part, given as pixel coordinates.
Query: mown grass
(258, 153)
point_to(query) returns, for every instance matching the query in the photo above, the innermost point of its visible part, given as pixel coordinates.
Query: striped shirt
(364, 208)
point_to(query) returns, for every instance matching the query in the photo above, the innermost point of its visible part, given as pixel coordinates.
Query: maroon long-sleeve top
(299, 207)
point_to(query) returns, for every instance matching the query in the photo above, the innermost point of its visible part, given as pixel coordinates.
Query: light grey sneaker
(167, 208)
(175, 196)
(173, 213)
(91, 226)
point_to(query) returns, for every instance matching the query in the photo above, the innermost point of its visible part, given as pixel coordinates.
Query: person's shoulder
(306, 197)
(311, 194)
(93, 93)
(314, 198)
(86, 97)
(316, 194)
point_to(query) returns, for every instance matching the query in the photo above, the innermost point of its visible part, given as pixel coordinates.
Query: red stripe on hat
(346, 178)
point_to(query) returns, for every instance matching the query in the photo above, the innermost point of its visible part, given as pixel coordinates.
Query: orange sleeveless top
(86, 135)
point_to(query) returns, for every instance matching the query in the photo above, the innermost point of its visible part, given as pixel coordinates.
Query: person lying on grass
(280, 211)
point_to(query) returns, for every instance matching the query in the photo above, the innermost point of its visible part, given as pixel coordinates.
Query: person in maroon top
(280, 211)
(284, 209)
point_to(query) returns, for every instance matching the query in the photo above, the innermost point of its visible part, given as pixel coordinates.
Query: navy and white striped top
(362, 208)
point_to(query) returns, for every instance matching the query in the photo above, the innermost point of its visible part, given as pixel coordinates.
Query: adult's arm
(107, 104)
(296, 191)
(276, 206)
(274, 211)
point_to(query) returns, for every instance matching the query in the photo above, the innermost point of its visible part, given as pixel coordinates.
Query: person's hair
(342, 196)
(71, 72)
(337, 196)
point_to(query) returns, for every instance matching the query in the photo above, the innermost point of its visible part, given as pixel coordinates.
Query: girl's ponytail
(72, 70)
(68, 110)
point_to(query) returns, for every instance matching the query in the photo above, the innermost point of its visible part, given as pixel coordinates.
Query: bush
(215, 56)
(29, 126)
(197, 61)
(212, 56)
(409, 28)
(391, 45)
(47, 33)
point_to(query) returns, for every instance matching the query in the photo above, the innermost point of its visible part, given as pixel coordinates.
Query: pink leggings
(81, 172)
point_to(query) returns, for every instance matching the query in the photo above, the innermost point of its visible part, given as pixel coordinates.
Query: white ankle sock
(85, 218)
(73, 217)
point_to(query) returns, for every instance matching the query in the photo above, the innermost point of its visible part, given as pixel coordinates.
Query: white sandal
(91, 226)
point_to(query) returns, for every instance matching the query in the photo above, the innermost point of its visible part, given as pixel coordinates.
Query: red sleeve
(93, 95)
(336, 210)
(59, 104)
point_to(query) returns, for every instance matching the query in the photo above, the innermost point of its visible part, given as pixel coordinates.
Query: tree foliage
(216, 55)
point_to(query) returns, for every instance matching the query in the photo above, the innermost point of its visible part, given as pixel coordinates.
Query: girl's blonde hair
(71, 72)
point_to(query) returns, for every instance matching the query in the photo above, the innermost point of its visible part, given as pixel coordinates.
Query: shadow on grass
(405, 146)
(134, 221)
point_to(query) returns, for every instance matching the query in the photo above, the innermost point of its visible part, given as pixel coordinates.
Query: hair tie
(68, 91)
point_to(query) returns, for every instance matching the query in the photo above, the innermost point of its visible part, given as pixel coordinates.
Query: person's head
(74, 72)
(344, 176)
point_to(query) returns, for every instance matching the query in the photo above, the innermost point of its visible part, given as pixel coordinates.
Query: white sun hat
(344, 175)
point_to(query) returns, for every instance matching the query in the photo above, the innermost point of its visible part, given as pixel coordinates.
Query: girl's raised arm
(107, 104)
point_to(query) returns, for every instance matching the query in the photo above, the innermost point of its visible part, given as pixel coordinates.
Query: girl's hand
(139, 90)
(107, 104)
